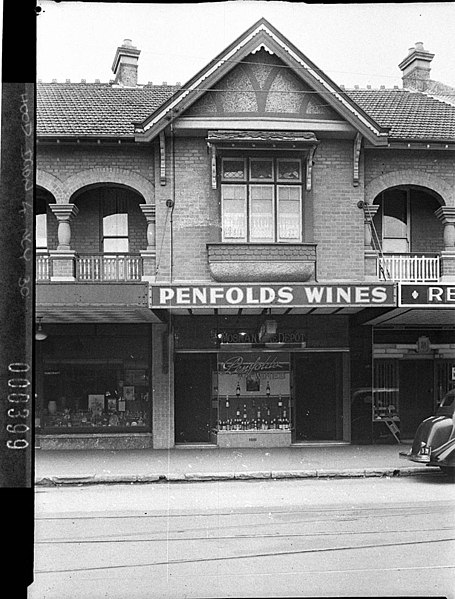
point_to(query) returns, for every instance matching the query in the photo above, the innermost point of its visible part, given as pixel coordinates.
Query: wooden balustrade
(109, 267)
(409, 267)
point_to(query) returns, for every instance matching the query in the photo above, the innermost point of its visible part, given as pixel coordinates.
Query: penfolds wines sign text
(295, 295)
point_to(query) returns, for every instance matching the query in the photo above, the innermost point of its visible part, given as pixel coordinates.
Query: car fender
(434, 432)
(444, 454)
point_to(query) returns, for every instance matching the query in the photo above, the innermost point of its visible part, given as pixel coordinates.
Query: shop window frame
(120, 366)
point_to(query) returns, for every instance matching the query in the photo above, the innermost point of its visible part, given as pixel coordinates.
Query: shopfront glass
(253, 391)
(93, 383)
(289, 386)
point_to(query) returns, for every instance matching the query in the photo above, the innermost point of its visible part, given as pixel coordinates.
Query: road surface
(302, 538)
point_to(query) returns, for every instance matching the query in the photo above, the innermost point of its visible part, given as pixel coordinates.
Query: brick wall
(195, 217)
(65, 161)
(332, 219)
(338, 222)
(435, 163)
(331, 206)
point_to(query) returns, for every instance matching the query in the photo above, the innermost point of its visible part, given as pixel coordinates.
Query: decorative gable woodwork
(263, 85)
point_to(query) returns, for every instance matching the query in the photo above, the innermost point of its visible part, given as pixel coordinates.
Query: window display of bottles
(270, 413)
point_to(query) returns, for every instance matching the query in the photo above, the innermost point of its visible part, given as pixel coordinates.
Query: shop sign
(234, 336)
(296, 295)
(246, 364)
(424, 295)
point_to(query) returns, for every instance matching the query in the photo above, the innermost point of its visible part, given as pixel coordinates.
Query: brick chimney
(125, 64)
(416, 68)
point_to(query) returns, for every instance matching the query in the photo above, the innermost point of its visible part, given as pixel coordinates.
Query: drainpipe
(172, 202)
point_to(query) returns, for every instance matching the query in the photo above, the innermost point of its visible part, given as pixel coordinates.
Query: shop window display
(93, 396)
(88, 394)
(253, 392)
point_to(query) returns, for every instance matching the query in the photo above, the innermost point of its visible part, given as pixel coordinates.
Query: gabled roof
(262, 35)
(101, 110)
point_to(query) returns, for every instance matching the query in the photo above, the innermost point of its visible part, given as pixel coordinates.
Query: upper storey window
(261, 199)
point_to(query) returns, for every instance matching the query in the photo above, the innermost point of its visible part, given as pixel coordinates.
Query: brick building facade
(235, 261)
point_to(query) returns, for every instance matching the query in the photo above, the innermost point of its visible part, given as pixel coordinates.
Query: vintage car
(434, 441)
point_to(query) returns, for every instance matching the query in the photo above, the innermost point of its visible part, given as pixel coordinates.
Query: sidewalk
(211, 463)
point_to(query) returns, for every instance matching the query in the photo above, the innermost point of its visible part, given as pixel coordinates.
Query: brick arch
(51, 184)
(111, 175)
(410, 177)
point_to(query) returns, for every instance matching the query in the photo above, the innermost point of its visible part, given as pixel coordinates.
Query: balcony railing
(108, 267)
(409, 267)
(43, 267)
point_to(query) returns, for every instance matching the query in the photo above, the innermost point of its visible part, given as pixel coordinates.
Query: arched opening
(108, 233)
(109, 220)
(406, 234)
(405, 221)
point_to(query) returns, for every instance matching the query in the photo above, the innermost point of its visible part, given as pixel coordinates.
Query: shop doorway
(416, 394)
(193, 390)
(318, 397)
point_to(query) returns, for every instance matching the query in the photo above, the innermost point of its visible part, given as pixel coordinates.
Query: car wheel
(448, 470)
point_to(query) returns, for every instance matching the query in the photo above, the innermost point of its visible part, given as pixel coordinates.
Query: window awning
(263, 140)
(255, 139)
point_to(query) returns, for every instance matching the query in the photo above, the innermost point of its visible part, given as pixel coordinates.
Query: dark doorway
(193, 375)
(318, 397)
(416, 395)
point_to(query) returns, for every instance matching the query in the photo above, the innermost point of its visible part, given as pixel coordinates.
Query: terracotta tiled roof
(95, 109)
(409, 114)
(100, 109)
